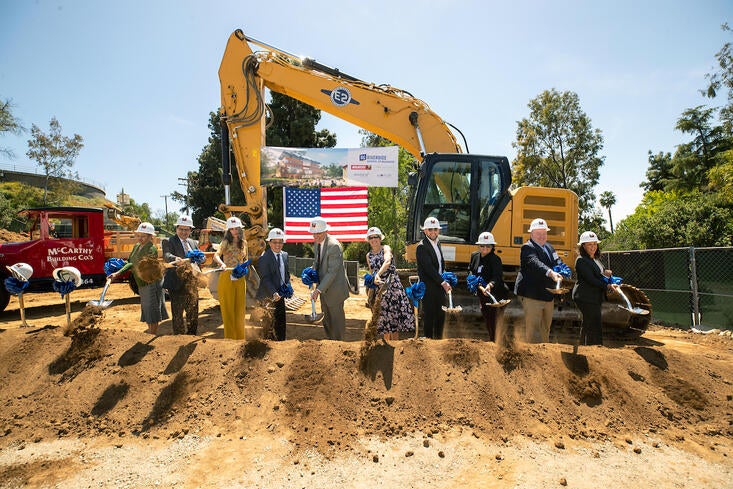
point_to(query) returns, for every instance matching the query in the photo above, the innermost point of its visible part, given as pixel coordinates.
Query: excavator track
(618, 322)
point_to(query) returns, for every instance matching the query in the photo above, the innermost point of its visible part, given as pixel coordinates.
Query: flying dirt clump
(90, 317)
(149, 269)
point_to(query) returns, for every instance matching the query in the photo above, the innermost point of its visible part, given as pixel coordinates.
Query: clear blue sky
(137, 79)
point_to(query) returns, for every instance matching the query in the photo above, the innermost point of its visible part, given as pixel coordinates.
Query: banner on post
(330, 167)
(343, 208)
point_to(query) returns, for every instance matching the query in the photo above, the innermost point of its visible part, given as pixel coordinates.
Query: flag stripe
(343, 208)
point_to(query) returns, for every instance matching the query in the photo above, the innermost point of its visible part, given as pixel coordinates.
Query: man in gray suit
(333, 287)
(183, 299)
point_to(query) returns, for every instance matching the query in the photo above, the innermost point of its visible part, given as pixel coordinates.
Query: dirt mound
(12, 237)
(309, 402)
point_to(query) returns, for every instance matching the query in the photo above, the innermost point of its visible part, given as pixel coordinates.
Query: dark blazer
(173, 250)
(590, 286)
(491, 272)
(534, 264)
(270, 273)
(427, 264)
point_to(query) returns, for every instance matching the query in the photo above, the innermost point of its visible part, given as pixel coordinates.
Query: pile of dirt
(12, 237)
(108, 382)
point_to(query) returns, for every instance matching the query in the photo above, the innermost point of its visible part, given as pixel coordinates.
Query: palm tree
(607, 200)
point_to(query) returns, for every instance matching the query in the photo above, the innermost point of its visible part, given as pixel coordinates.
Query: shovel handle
(68, 311)
(21, 305)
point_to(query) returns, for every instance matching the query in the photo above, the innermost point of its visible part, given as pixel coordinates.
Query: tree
(722, 79)
(608, 200)
(670, 219)
(10, 124)
(53, 151)
(293, 125)
(558, 147)
(659, 174)
(693, 160)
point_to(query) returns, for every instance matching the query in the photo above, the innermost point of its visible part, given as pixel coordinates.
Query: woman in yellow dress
(232, 292)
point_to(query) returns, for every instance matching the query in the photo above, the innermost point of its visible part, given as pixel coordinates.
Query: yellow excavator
(467, 193)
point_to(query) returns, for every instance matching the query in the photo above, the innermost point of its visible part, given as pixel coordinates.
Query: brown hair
(582, 252)
(230, 238)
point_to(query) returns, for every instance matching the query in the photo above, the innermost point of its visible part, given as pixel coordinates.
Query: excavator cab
(465, 192)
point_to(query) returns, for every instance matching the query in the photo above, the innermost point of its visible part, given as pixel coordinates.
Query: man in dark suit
(273, 269)
(430, 267)
(333, 287)
(537, 258)
(183, 297)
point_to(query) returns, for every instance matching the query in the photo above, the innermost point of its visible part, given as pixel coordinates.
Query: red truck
(60, 237)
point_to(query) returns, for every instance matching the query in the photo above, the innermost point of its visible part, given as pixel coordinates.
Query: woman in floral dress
(396, 309)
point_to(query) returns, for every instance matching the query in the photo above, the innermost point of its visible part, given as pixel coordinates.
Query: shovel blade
(102, 304)
(313, 318)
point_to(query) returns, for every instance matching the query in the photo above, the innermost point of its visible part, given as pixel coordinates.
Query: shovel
(101, 302)
(558, 290)
(638, 311)
(68, 311)
(313, 317)
(21, 305)
(494, 302)
(413, 279)
(450, 307)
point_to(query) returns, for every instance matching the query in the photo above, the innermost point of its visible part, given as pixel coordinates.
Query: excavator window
(489, 190)
(447, 198)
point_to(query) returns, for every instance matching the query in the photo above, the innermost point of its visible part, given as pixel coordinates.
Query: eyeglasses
(373, 237)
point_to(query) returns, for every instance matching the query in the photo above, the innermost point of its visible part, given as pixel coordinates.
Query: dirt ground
(112, 406)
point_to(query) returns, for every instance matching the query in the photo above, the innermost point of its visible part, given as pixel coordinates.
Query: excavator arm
(382, 109)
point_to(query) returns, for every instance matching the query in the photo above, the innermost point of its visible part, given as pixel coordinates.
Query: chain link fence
(687, 287)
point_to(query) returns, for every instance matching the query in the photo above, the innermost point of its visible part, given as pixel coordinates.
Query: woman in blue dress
(396, 312)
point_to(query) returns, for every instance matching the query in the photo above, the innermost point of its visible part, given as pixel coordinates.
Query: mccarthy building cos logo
(66, 253)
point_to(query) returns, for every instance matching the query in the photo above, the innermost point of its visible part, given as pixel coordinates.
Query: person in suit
(485, 263)
(273, 269)
(183, 298)
(333, 288)
(537, 257)
(150, 289)
(590, 289)
(430, 267)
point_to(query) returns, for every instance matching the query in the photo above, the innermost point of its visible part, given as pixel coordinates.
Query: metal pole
(693, 289)
(167, 224)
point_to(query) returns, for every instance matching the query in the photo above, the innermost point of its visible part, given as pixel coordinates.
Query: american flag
(343, 208)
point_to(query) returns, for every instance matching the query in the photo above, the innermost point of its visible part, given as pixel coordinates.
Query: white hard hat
(184, 221)
(374, 231)
(234, 222)
(486, 238)
(318, 225)
(66, 274)
(276, 233)
(538, 224)
(21, 271)
(146, 228)
(588, 237)
(430, 223)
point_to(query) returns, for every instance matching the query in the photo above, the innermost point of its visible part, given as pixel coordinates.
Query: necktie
(279, 268)
(186, 248)
(547, 252)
